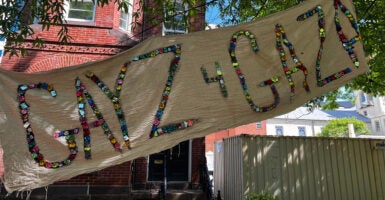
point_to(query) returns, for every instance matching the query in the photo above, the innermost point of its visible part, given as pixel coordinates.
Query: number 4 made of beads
(218, 78)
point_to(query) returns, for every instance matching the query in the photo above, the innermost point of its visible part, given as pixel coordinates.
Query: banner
(62, 123)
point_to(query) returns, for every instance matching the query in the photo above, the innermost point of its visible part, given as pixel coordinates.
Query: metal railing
(205, 181)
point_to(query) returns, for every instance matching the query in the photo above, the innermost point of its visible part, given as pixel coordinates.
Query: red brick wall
(140, 171)
(197, 157)
(104, 16)
(116, 175)
(121, 174)
(245, 129)
(45, 60)
(90, 43)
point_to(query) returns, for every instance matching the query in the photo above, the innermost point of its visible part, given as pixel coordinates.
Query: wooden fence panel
(301, 167)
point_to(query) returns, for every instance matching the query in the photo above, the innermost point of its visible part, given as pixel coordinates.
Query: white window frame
(301, 128)
(277, 128)
(67, 10)
(258, 125)
(377, 125)
(128, 20)
(363, 98)
(175, 31)
(2, 44)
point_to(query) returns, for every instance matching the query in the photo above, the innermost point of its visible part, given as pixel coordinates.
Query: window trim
(129, 16)
(377, 125)
(299, 130)
(175, 31)
(276, 130)
(2, 45)
(258, 125)
(67, 10)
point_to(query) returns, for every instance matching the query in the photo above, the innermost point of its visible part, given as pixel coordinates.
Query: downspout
(145, 3)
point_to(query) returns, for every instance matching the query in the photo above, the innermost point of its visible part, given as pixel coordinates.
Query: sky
(212, 15)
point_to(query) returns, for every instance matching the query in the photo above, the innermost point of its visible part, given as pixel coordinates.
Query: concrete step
(171, 195)
(101, 193)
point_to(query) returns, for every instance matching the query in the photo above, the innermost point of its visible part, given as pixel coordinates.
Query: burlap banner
(59, 124)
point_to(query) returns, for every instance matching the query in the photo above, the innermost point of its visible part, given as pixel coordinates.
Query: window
(366, 113)
(377, 125)
(383, 122)
(279, 130)
(363, 98)
(81, 10)
(258, 125)
(301, 131)
(2, 44)
(126, 17)
(175, 19)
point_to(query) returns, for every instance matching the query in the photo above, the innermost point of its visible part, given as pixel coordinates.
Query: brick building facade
(98, 33)
(257, 128)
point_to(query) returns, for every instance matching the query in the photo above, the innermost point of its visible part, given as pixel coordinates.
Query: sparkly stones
(114, 97)
(347, 44)
(238, 71)
(322, 35)
(82, 91)
(281, 39)
(174, 65)
(32, 146)
(218, 78)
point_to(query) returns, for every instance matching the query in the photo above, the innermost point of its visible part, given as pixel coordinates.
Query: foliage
(371, 19)
(18, 15)
(260, 196)
(339, 128)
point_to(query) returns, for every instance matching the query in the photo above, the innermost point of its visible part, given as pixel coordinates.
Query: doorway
(177, 163)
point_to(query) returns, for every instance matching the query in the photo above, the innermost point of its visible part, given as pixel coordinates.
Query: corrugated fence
(300, 167)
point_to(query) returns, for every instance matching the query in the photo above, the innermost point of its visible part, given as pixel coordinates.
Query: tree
(371, 19)
(339, 127)
(17, 15)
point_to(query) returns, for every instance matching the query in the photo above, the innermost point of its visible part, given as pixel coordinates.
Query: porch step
(171, 195)
(73, 193)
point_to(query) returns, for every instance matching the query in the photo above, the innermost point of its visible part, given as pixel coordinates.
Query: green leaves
(240, 11)
(339, 128)
(371, 18)
(17, 16)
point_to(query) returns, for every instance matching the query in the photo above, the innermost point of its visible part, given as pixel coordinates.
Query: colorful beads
(174, 127)
(156, 130)
(281, 39)
(347, 44)
(238, 71)
(114, 97)
(173, 48)
(30, 136)
(81, 91)
(322, 34)
(218, 78)
(309, 13)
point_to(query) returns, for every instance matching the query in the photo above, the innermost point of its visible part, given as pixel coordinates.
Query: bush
(260, 196)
